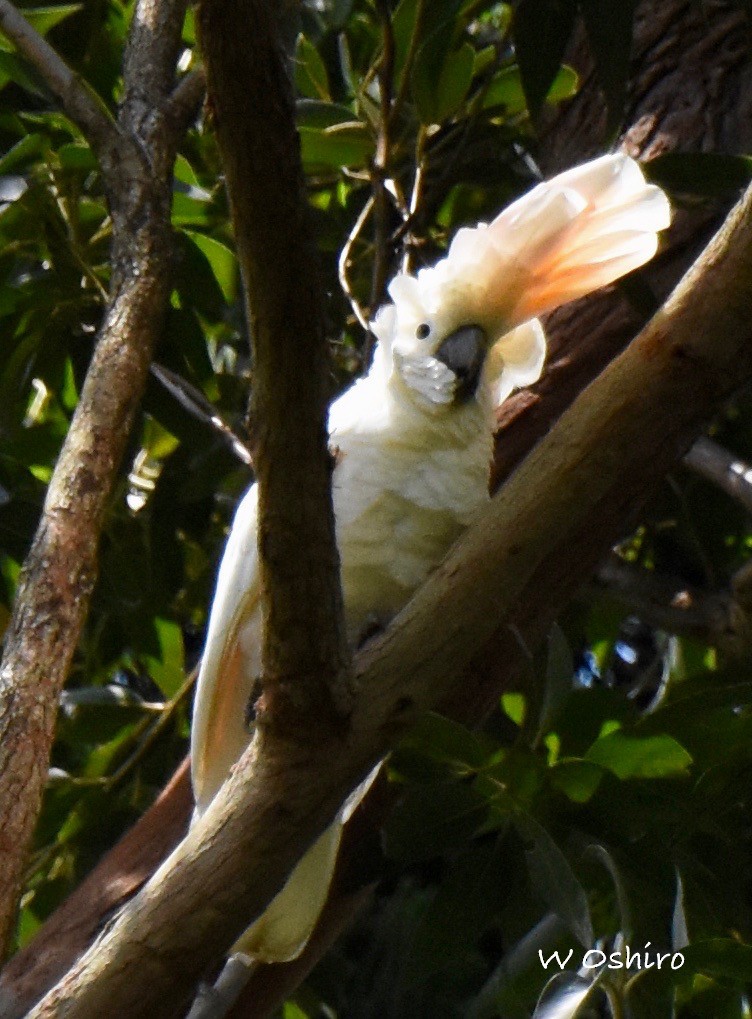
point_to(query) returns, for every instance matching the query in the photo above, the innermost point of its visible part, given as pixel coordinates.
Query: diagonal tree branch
(541, 535)
(71, 91)
(60, 570)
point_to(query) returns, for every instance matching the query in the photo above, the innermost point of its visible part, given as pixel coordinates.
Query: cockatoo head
(441, 347)
(468, 328)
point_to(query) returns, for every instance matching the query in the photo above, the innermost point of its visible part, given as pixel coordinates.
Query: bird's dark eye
(423, 331)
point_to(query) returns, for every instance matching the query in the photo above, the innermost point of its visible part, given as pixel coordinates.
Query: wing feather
(231, 661)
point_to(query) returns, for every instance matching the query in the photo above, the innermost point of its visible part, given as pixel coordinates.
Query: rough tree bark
(136, 155)
(672, 60)
(305, 651)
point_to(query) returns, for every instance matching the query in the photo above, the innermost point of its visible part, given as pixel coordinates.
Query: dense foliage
(605, 804)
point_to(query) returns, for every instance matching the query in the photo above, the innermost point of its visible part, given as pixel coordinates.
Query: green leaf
(449, 742)
(167, 668)
(314, 113)
(222, 260)
(185, 173)
(404, 26)
(541, 30)
(190, 210)
(554, 880)
(334, 147)
(609, 28)
(74, 156)
(292, 1011)
(44, 19)
(514, 706)
(439, 87)
(431, 819)
(605, 858)
(195, 280)
(578, 780)
(189, 36)
(708, 174)
(505, 89)
(640, 757)
(12, 68)
(22, 153)
(311, 78)
(558, 678)
(483, 59)
(719, 957)
(427, 30)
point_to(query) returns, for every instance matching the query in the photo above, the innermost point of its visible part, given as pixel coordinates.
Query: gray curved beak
(463, 352)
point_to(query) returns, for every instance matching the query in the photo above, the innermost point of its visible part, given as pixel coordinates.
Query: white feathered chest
(405, 486)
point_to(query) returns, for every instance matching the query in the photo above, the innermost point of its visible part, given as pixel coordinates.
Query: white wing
(231, 660)
(219, 735)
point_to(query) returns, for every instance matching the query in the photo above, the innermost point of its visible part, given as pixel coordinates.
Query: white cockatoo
(414, 442)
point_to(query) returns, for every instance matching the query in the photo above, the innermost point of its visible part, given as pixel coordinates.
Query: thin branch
(70, 90)
(722, 468)
(671, 605)
(343, 263)
(416, 197)
(185, 101)
(194, 401)
(563, 508)
(215, 1002)
(153, 730)
(380, 172)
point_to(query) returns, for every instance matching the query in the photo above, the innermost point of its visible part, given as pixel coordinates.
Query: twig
(671, 605)
(152, 730)
(185, 101)
(415, 197)
(216, 1001)
(70, 90)
(343, 263)
(723, 469)
(194, 401)
(380, 172)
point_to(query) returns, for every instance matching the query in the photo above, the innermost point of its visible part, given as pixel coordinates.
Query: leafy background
(609, 804)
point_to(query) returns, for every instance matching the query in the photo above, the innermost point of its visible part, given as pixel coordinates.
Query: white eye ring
(423, 331)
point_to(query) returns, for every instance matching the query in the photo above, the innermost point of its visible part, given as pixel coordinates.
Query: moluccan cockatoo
(414, 438)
